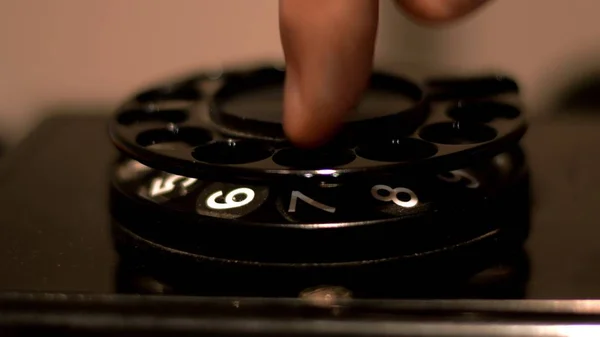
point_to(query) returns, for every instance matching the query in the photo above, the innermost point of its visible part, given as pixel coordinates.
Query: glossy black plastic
(376, 220)
(442, 132)
(251, 104)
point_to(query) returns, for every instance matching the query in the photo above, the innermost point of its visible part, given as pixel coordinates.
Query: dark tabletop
(55, 220)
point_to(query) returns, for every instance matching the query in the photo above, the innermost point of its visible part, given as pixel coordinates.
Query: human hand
(328, 47)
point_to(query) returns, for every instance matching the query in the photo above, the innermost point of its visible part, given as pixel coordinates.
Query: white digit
(298, 195)
(393, 195)
(160, 186)
(229, 201)
(455, 176)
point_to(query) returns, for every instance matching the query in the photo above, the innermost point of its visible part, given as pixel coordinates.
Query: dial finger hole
(397, 150)
(472, 87)
(186, 92)
(232, 152)
(313, 159)
(457, 133)
(482, 112)
(134, 116)
(173, 138)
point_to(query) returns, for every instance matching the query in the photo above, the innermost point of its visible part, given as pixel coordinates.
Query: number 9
(229, 203)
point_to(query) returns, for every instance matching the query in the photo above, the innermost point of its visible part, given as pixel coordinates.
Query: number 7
(298, 195)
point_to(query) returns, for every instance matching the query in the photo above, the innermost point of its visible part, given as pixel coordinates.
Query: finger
(328, 47)
(439, 11)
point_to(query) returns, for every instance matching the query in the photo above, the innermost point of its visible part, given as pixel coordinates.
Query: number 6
(229, 202)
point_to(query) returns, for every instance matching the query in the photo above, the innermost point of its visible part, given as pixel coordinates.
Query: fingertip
(439, 11)
(304, 126)
(304, 135)
(328, 46)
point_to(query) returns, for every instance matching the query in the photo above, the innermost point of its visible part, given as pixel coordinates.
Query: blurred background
(74, 56)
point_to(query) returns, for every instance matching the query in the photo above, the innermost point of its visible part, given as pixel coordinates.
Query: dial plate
(209, 136)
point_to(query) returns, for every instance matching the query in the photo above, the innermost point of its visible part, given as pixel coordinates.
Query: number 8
(229, 202)
(394, 195)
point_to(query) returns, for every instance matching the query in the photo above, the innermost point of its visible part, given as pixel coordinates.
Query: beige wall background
(86, 55)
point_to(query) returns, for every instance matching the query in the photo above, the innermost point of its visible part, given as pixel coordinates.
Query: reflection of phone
(165, 253)
(168, 316)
